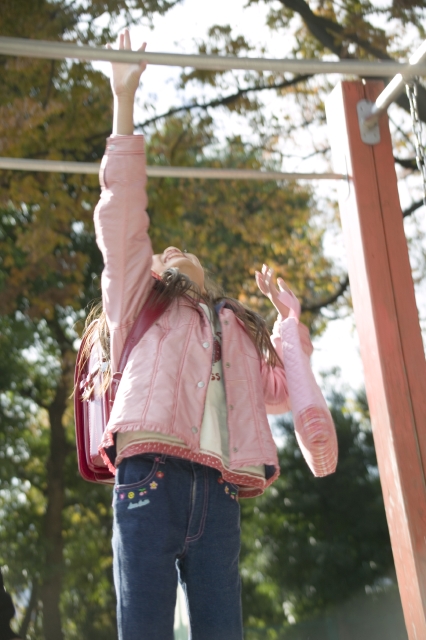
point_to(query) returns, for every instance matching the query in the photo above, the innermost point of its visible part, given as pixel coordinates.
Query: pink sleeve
(275, 389)
(313, 423)
(305, 339)
(121, 225)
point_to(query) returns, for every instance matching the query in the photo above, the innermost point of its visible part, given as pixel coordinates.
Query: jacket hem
(249, 486)
(108, 441)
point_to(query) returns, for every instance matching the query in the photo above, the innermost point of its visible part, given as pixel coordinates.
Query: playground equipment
(379, 272)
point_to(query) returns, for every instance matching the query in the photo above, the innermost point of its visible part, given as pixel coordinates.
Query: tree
(87, 600)
(318, 541)
(235, 226)
(49, 109)
(366, 30)
(50, 269)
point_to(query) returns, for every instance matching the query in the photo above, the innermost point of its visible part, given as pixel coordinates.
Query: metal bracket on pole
(370, 132)
(370, 112)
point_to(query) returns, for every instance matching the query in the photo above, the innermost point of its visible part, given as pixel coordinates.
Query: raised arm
(275, 385)
(121, 221)
(313, 423)
(125, 80)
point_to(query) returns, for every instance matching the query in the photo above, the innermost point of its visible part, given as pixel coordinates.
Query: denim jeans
(175, 519)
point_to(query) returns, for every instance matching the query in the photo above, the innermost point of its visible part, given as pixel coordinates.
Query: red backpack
(92, 406)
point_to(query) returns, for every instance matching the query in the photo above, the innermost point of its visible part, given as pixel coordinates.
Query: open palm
(282, 297)
(125, 77)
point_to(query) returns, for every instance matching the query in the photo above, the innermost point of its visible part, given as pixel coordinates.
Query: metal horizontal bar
(61, 50)
(395, 87)
(204, 173)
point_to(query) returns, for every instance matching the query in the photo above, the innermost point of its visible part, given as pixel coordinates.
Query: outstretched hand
(282, 297)
(125, 77)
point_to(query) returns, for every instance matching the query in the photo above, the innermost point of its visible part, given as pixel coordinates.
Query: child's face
(187, 263)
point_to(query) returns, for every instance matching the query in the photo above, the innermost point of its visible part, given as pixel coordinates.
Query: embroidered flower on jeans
(220, 480)
(160, 474)
(153, 485)
(122, 496)
(226, 489)
(142, 491)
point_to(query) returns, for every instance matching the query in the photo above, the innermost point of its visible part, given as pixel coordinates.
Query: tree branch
(23, 629)
(225, 100)
(28, 395)
(325, 302)
(321, 27)
(49, 85)
(216, 102)
(316, 306)
(407, 163)
(413, 207)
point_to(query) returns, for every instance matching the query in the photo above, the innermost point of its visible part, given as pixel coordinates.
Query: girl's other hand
(282, 298)
(125, 77)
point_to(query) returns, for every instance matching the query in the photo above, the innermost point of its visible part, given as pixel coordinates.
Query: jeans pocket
(135, 472)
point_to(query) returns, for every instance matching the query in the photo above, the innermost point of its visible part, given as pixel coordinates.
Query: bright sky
(178, 32)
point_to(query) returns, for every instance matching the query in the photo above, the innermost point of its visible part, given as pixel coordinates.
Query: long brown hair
(173, 285)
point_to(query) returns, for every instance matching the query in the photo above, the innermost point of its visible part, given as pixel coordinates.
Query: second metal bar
(205, 173)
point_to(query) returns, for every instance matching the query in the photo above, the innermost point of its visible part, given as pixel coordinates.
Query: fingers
(124, 42)
(265, 282)
(127, 42)
(282, 297)
(142, 63)
(267, 276)
(261, 283)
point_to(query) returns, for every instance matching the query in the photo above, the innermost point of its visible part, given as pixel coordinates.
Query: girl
(188, 433)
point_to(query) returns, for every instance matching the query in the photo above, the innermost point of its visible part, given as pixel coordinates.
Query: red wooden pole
(388, 326)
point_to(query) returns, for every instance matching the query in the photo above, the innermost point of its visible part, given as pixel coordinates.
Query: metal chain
(412, 93)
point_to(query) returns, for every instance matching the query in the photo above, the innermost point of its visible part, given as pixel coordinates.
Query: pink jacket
(164, 384)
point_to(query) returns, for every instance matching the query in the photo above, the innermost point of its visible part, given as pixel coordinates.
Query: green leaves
(306, 543)
(236, 226)
(317, 541)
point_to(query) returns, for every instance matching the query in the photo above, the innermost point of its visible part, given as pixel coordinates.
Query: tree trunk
(51, 586)
(23, 629)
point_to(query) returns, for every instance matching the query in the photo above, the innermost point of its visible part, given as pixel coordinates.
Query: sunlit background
(316, 559)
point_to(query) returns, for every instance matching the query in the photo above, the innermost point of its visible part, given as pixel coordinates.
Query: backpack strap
(149, 313)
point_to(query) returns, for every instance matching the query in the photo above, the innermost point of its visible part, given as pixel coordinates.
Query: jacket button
(194, 429)
(206, 345)
(201, 384)
(231, 406)
(226, 322)
(111, 146)
(235, 449)
(227, 365)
